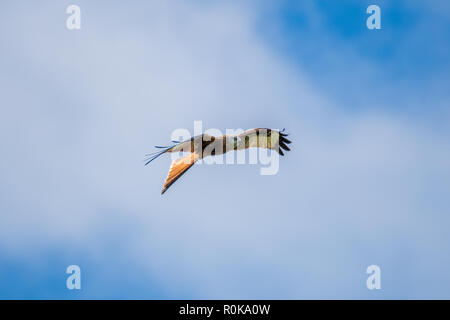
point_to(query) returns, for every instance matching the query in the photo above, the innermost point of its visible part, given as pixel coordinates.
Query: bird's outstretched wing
(266, 138)
(178, 167)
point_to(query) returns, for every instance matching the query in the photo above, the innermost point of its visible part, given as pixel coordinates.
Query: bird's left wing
(178, 167)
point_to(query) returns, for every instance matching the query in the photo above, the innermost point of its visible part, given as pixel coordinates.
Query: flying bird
(204, 145)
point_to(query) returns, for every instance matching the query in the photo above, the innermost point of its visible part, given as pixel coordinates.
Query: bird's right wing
(265, 138)
(178, 167)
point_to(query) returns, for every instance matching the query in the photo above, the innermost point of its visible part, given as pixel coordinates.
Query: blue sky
(367, 181)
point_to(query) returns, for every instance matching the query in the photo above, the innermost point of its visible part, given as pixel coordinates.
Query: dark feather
(284, 141)
(285, 147)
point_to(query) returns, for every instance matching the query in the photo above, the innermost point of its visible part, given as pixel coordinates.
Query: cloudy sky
(367, 181)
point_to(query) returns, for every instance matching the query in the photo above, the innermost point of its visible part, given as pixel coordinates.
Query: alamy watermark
(73, 22)
(374, 280)
(212, 146)
(74, 280)
(374, 20)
